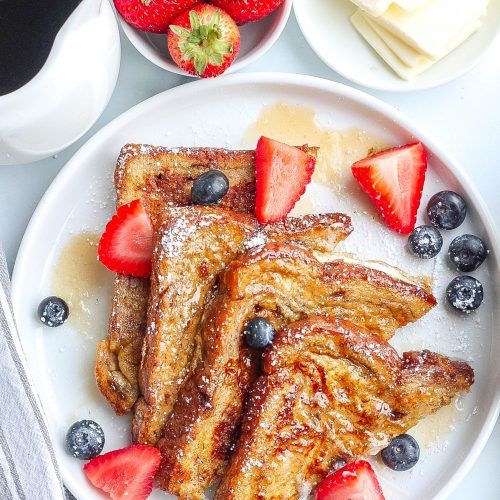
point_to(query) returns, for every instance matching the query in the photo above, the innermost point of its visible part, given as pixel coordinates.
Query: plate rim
(310, 83)
(399, 88)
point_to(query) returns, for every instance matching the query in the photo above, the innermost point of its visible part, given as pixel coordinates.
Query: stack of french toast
(268, 423)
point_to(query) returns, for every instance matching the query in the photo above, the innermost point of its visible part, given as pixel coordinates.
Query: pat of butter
(410, 56)
(384, 51)
(407, 54)
(378, 7)
(396, 55)
(431, 28)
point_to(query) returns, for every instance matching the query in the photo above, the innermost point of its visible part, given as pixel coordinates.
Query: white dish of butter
(399, 45)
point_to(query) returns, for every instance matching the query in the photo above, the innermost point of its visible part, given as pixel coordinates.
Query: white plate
(327, 28)
(256, 39)
(81, 198)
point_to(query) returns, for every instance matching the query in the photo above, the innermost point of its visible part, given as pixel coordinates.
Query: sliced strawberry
(282, 173)
(125, 474)
(355, 481)
(126, 246)
(394, 179)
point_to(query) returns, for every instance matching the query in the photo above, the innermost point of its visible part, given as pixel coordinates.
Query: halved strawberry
(126, 246)
(125, 474)
(282, 173)
(355, 481)
(394, 179)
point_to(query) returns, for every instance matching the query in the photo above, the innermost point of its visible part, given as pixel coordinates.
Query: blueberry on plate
(258, 333)
(467, 252)
(53, 311)
(402, 453)
(465, 293)
(425, 242)
(446, 210)
(209, 188)
(85, 439)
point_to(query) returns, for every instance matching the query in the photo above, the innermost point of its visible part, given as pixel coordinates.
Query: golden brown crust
(330, 390)
(160, 177)
(119, 355)
(191, 247)
(283, 283)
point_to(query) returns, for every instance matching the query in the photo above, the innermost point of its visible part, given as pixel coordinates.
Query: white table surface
(463, 116)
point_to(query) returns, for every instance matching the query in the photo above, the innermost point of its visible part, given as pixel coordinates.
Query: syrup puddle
(82, 281)
(433, 429)
(297, 125)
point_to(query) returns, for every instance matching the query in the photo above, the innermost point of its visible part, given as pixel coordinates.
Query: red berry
(243, 11)
(282, 173)
(125, 474)
(394, 179)
(126, 246)
(356, 480)
(152, 15)
(204, 41)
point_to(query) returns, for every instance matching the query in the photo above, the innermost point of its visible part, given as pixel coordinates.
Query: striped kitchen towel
(28, 468)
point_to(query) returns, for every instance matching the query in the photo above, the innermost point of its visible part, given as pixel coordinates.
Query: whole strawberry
(243, 11)
(204, 41)
(152, 15)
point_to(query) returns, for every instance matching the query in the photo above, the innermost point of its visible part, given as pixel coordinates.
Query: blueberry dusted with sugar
(402, 453)
(446, 210)
(465, 293)
(425, 242)
(209, 188)
(53, 311)
(85, 439)
(467, 252)
(258, 333)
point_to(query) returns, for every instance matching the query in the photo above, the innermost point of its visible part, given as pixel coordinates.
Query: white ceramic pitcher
(69, 93)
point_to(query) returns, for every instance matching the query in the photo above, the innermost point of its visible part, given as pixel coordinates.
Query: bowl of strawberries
(203, 38)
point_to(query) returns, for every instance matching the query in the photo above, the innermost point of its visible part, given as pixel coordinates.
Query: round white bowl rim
(143, 47)
(315, 84)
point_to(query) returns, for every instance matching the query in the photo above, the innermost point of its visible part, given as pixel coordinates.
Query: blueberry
(425, 242)
(467, 252)
(85, 439)
(209, 188)
(53, 311)
(446, 210)
(402, 453)
(465, 293)
(258, 333)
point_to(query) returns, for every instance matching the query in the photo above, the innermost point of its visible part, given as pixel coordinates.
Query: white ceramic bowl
(69, 93)
(256, 39)
(327, 28)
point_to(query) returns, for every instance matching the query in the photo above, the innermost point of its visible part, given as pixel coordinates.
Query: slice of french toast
(330, 390)
(160, 177)
(283, 283)
(191, 247)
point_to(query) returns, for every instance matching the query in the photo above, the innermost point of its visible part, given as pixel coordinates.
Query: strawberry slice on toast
(282, 173)
(394, 179)
(355, 481)
(126, 246)
(125, 474)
